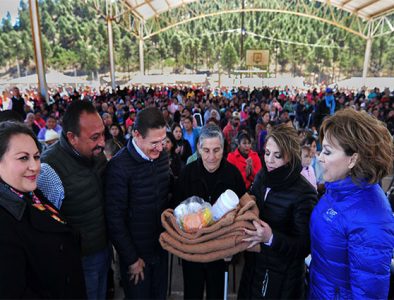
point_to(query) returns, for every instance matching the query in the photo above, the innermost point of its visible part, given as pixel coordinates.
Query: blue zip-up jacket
(352, 240)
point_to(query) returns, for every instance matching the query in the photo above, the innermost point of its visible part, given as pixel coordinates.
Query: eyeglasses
(162, 143)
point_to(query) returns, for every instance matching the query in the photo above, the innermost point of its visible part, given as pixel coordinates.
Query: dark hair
(190, 118)
(308, 140)
(73, 113)
(51, 117)
(175, 125)
(214, 120)
(10, 115)
(120, 138)
(177, 116)
(264, 112)
(149, 118)
(10, 128)
(171, 137)
(117, 126)
(186, 109)
(243, 135)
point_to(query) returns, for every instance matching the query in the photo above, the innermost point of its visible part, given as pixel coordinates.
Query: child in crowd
(307, 170)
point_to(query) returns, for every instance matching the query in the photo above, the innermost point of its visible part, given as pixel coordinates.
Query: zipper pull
(265, 283)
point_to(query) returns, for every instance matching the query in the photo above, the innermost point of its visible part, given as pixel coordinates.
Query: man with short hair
(189, 133)
(72, 179)
(136, 193)
(17, 103)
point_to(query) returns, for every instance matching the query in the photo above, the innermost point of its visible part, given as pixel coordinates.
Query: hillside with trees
(75, 40)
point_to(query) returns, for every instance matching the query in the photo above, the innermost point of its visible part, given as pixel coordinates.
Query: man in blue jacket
(136, 192)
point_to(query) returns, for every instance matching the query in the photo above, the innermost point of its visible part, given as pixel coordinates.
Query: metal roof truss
(146, 18)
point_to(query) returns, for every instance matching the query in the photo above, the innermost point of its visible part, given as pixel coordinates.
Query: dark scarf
(281, 177)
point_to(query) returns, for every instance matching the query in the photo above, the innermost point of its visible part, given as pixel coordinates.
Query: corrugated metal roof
(366, 9)
(147, 9)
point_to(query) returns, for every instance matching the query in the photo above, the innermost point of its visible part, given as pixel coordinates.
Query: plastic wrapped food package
(193, 213)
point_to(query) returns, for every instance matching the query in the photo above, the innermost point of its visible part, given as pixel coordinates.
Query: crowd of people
(92, 171)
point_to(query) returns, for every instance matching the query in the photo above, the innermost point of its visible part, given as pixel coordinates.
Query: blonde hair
(358, 132)
(288, 142)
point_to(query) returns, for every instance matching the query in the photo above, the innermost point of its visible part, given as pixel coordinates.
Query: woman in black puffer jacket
(285, 200)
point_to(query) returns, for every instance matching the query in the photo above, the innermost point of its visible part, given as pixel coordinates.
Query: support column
(111, 52)
(141, 49)
(367, 57)
(243, 31)
(36, 36)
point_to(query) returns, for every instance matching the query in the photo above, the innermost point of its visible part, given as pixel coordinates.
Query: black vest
(18, 105)
(83, 204)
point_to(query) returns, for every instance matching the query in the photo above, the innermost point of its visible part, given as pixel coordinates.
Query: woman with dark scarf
(285, 199)
(39, 251)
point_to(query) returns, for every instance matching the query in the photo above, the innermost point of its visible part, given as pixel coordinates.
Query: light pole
(243, 31)
(38, 57)
(276, 59)
(111, 51)
(219, 83)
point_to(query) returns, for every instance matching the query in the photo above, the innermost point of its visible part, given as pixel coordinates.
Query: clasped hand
(262, 234)
(249, 167)
(136, 271)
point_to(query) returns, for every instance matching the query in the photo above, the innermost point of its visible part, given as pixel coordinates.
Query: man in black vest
(72, 179)
(17, 103)
(136, 193)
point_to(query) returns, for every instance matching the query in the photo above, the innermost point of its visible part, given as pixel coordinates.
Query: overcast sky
(11, 6)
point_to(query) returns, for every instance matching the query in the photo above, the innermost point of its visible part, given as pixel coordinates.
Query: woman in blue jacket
(352, 227)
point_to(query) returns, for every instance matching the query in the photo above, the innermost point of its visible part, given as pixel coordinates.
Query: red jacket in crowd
(239, 161)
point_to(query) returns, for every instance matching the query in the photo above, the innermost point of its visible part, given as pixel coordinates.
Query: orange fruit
(192, 222)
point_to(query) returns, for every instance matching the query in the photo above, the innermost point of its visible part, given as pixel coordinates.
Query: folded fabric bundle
(218, 241)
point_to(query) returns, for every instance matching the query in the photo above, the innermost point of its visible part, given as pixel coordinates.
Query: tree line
(75, 38)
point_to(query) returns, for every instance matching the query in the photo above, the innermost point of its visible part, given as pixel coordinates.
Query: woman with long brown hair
(285, 200)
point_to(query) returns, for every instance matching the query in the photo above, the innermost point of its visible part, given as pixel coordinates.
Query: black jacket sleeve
(297, 244)
(117, 212)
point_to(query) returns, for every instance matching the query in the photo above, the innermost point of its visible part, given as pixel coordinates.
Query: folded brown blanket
(220, 240)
